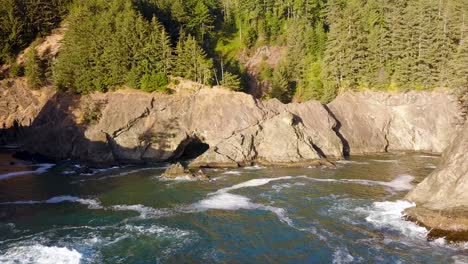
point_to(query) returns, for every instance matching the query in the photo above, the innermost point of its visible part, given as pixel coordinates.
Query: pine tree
(191, 61)
(33, 69)
(230, 81)
(201, 23)
(459, 79)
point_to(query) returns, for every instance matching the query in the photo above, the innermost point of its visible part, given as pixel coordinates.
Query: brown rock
(177, 170)
(442, 198)
(379, 122)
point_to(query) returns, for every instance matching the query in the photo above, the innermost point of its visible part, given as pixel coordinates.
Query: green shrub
(231, 81)
(154, 82)
(16, 71)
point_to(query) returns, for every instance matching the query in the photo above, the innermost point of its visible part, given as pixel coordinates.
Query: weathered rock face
(379, 122)
(442, 198)
(132, 126)
(129, 126)
(237, 128)
(21, 105)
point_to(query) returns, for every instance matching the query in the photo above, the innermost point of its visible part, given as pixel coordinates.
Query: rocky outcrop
(177, 171)
(132, 126)
(129, 126)
(238, 128)
(288, 134)
(442, 198)
(380, 122)
(20, 105)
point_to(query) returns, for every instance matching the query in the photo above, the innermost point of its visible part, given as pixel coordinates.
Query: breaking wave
(40, 254)
(389, 215)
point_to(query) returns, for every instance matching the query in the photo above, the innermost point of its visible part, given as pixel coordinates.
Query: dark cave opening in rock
(194, 148)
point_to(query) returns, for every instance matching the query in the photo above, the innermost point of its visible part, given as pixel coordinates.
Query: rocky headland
(215, 127)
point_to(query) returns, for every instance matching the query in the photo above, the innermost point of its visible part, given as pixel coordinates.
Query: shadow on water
(54, 136)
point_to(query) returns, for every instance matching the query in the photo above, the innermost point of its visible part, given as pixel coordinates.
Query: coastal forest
(330, 46)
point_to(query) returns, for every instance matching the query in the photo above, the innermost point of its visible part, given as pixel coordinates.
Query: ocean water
(50, 213)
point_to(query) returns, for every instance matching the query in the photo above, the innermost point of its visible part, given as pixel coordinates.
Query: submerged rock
(442, 198)
(179, 171)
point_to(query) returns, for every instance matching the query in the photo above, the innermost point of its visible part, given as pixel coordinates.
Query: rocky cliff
(442, 198)
(221, 128)
(218, 127)
(380, 122)
(131, 126)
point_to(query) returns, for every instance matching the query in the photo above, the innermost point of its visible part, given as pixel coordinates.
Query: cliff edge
(442, 198)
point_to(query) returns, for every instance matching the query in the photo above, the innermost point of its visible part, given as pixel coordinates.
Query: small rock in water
(177, 170)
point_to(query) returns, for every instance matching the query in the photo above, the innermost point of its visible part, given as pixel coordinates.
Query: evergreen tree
(191, 61)
(230, 81)
(33, 69)
(201, 23)
(459, 79)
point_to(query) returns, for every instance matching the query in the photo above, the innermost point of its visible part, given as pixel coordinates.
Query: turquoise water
(52, 214)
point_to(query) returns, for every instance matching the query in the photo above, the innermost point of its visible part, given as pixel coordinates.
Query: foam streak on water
(91, 203)
(228, 201)
(222, 200)
(252, 183)
(145, 211)
(401, 183)
(42, 168)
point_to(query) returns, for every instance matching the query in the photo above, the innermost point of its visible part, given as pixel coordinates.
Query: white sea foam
(233, 172)
(42, 168)
(122, 174)
(460, 259)
(145, 211)
(255, 167)
(178, 178)
(389, 215)
(385, 161)
(400, 183)
(428, 157)
(351, 162)
(253, 183)
(342, 256)
(225, 201)
(40, 254)
(162, 231)
(92, 204)
(280, 187)
(228, 201)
